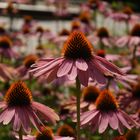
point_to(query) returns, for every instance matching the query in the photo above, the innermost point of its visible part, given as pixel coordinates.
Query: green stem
(134, 56)
(78, 87)
(20, 134)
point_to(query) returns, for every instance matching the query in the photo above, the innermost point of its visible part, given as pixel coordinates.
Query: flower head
(135, 31)
(90, 94)
(64, 32)
(46, 134)
(18, 95)
(77, 59)
(107, 113)
(106, 101)
(66, 130)
(29, 60)
(5, 42)
(102, 32)
(19, 108)
(77, 47)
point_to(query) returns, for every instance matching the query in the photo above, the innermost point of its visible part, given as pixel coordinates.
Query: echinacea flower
(77, 60)
(6, 48)
(19, 109)
(102, 38)
(6, 73)
(107, 113)
(45, 134)
(130, 99)
(27, 62)
(65, 131)
(133, 39)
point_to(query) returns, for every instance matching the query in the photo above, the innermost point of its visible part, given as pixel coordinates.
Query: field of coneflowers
(72, 75)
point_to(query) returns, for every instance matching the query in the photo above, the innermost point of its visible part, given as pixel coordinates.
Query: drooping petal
(17, 121)
(96, 74)
(34, 119)
(109, 65)
(113, 120)
(2, 104)
(103, 123)
(47, 112)
(73, 73)
(89, 118)
(64, 68)
(83, 77)
(122, 120)
(9, 115)
(81, 65)
(25, 119)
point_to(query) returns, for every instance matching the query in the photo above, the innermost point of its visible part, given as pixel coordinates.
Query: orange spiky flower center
(46, 134)
(135, 31)
(65, 131)
(29, 60)
(127, 10)
(106, 101)
(5, 42)
(77, 47)
(90, 94)
(18, 95)
(102, 32)
(136, 90)
(64, 32)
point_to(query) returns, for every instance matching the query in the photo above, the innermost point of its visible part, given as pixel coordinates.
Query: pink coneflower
(66, 130)
(130, 99)
(6, 73)
(19, 109)
(102, 38)
(106, 113)
(132, 40)
(6, 48)
(77, 60)
(27, 62)
(46, 134)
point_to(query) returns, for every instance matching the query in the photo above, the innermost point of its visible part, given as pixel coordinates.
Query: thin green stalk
(134, 56)
(78, 87)
(20, 134)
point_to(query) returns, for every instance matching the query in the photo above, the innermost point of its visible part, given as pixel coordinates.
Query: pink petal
(81, 65)
(113, 120)
(122, 120)
(64, 68)
(24, 119)
(9, 115)
(83, 77)
(103, 123)
(109, 65)
(52, 75)
(47, 112)
(89, 117)
(2, 104)
(34, 119)
(2, 115)
(96, 73)
(17, 121)
(73, 73)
